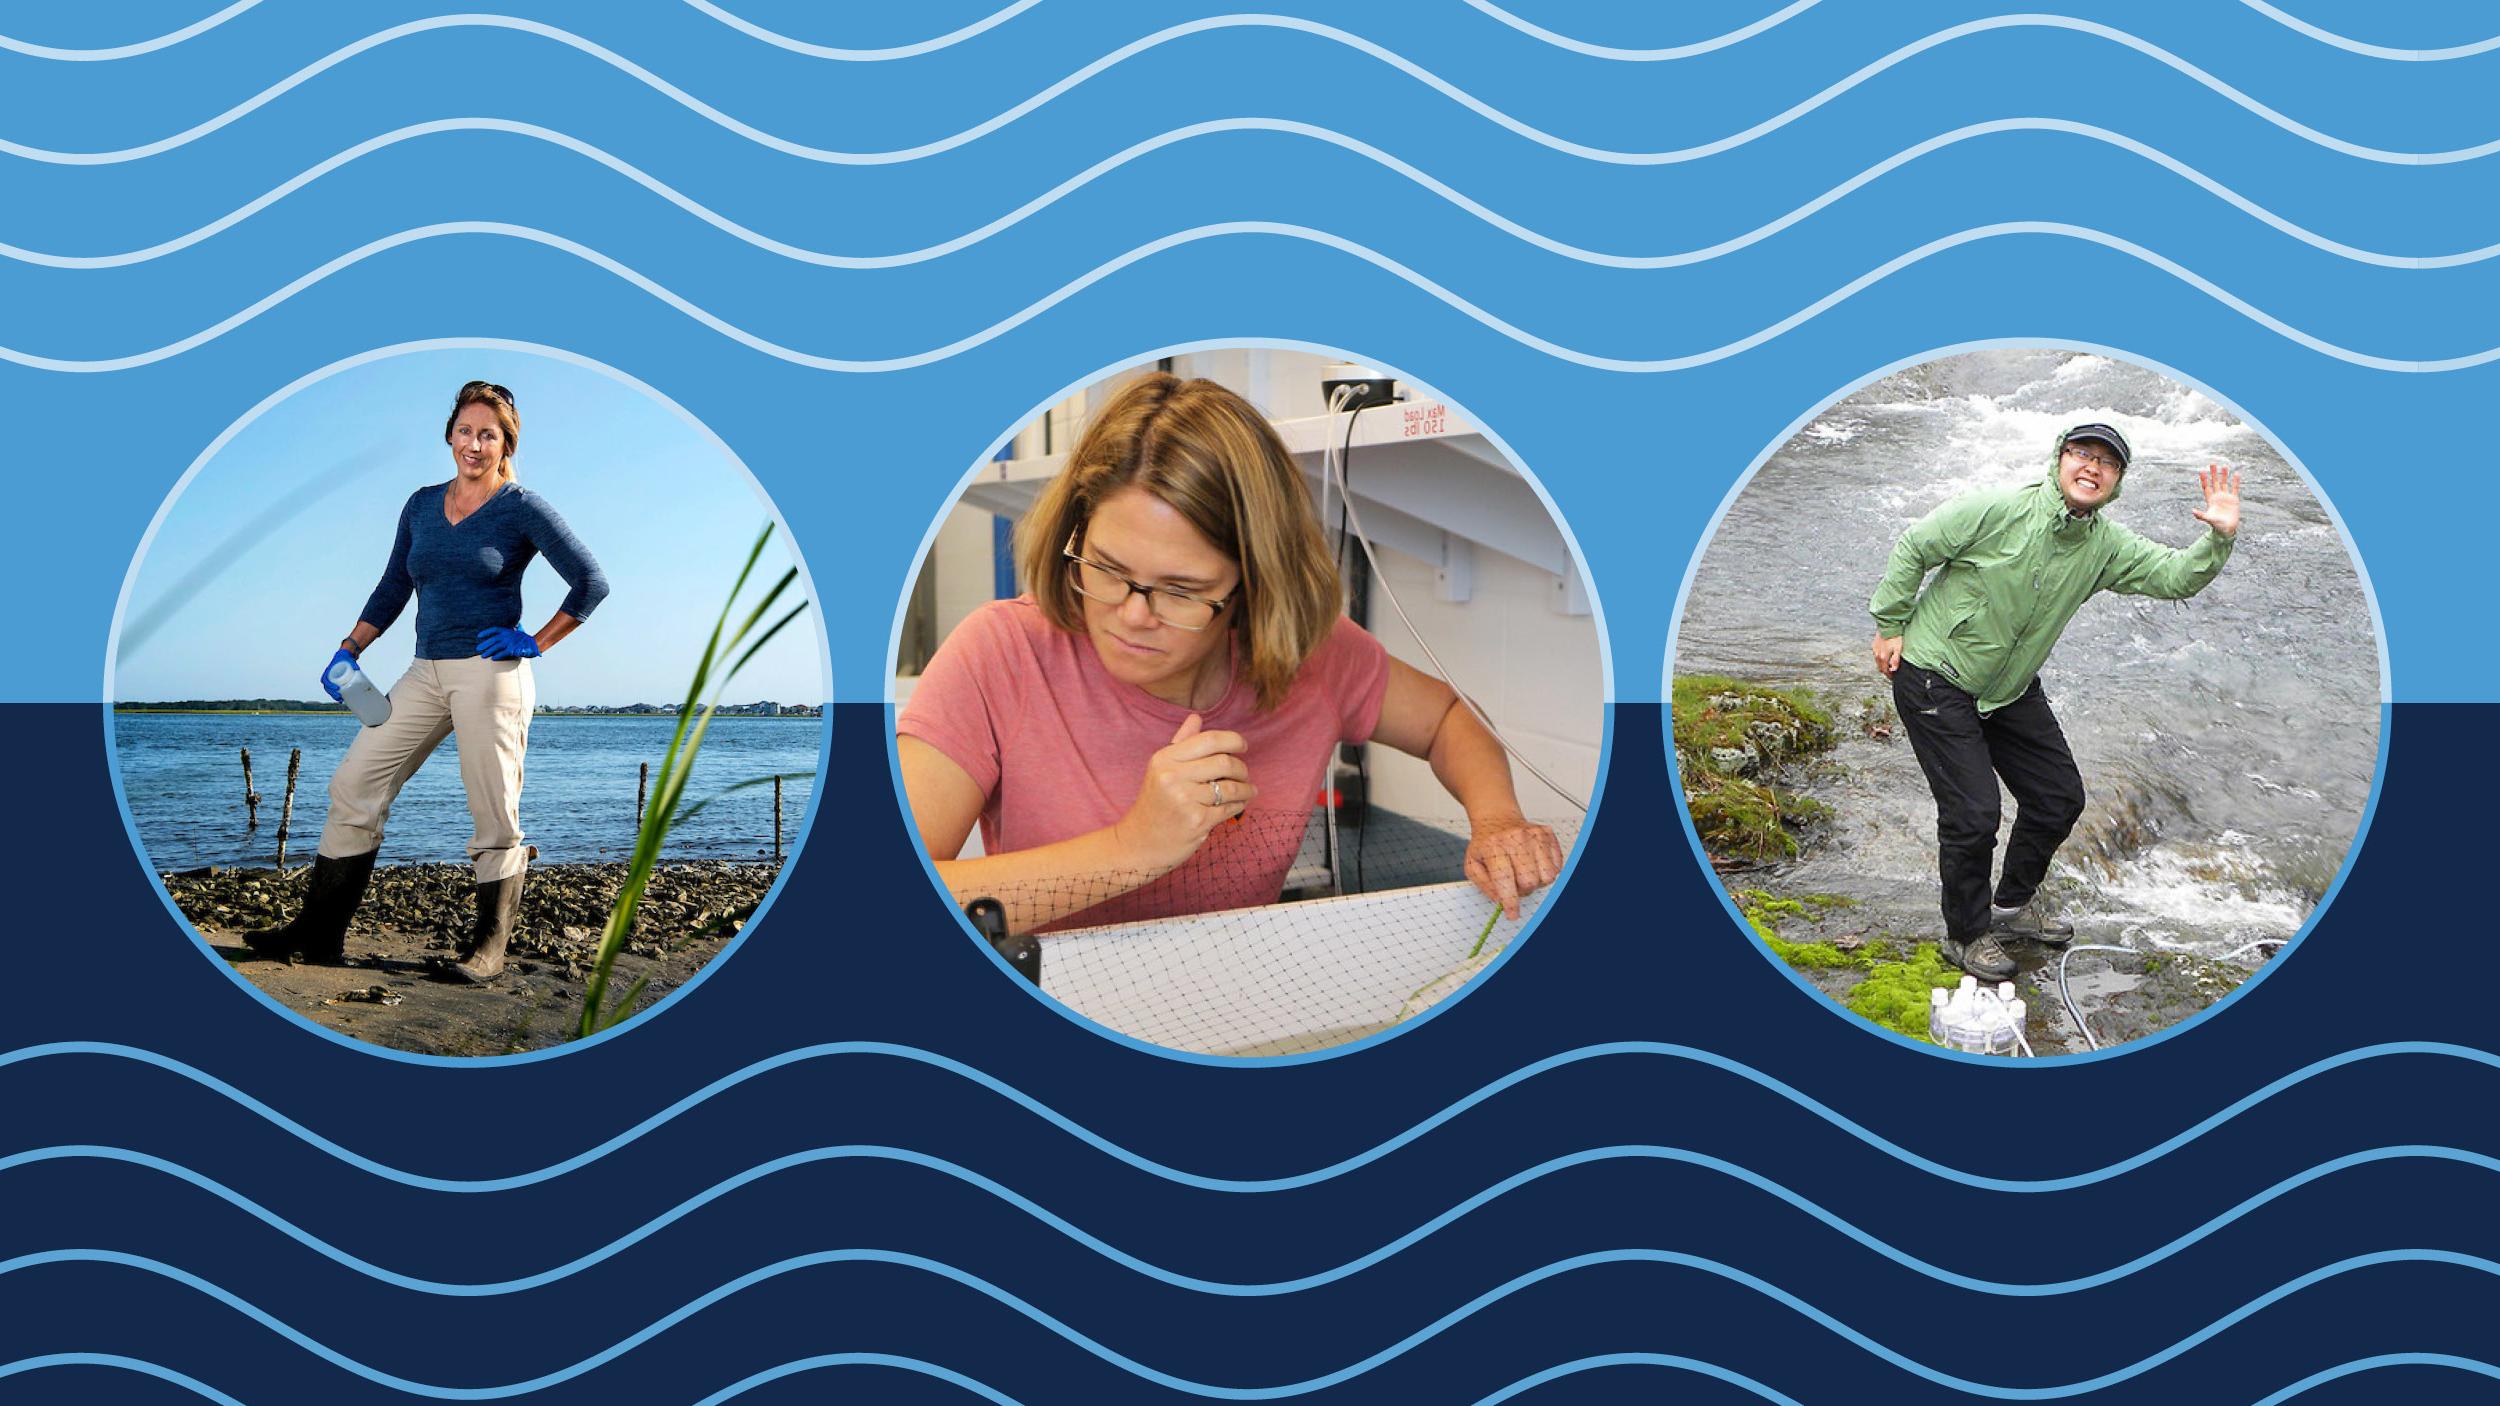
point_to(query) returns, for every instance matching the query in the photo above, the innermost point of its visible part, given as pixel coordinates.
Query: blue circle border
(2378, 623)
(1605, 750)
(130, 578)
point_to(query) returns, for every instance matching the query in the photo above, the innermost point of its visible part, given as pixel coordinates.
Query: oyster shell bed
(563, 906)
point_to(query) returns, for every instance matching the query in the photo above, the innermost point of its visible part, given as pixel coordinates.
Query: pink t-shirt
(1060, 747)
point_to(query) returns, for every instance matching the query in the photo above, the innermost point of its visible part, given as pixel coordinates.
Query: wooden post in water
(286, 809)
(642, 789)
(776, 820)
(251, 798)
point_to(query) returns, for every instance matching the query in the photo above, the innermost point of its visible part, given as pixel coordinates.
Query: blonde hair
(1215, 460)
(499, 400)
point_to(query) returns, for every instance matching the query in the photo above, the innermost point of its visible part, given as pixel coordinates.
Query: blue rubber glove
(505, 642)
(328, 687)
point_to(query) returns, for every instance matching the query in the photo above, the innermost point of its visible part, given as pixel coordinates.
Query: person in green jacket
(2011, 566)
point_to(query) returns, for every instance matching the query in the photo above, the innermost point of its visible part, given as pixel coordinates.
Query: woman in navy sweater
(461, 550)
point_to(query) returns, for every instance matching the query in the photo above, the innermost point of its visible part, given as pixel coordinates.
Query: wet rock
(1737, 746)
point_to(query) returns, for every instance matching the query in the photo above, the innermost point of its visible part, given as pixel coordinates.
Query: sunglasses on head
(491, 388)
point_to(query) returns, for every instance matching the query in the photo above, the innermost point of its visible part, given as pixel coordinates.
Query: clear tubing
(2069, 1001)
(1329, 470)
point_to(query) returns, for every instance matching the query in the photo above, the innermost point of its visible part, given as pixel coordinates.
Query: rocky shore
(1748, 752)
(415, 916)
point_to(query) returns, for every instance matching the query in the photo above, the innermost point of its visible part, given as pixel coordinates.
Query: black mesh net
(1275, 937)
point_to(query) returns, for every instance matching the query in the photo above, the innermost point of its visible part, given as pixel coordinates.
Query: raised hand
(2222, 500)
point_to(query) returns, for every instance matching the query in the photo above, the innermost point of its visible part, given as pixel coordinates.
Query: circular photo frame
(369, 565)
(1249, 701)
(2026, 701)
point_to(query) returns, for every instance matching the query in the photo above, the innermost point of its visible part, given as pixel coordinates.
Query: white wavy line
(743, 26)
(124, 51)
(1534, 31)
(1219, 22)
(865, 366)
(1680, 51)
(1354, 145)
(2376, 51)
(904, 51)
(1767, 22)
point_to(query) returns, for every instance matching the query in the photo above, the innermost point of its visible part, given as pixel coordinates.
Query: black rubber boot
(1981, 957)
(498, 906)
(319, 932)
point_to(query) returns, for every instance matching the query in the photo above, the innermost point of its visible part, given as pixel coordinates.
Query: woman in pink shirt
(1145, 733)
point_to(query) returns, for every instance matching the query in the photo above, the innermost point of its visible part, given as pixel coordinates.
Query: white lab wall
(963, 559)
(1283, 384)
(1537, 671)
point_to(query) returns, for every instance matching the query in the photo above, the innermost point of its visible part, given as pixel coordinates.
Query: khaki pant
(488, 703)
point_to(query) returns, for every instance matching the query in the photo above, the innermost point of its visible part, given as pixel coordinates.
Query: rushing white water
(2227, 741)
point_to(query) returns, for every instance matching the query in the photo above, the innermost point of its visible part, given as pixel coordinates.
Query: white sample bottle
(371, 705)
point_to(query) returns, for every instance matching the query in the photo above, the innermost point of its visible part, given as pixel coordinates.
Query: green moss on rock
(1895, 994)
(1731, 741)
(1763, 911)
(1893, 991)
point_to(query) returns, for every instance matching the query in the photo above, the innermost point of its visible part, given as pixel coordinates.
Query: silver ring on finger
(1215, 788)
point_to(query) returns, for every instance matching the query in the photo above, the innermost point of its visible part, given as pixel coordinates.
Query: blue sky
(228, 605)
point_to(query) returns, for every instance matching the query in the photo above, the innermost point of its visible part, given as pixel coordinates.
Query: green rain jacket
(2016, 566)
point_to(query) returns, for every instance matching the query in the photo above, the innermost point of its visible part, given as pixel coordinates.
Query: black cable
(1361, 610)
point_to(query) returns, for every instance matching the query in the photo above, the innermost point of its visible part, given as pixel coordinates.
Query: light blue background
(860, 460)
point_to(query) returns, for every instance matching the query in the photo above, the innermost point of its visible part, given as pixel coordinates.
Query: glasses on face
(1178, 609)
(2093, 456)
(489, 386)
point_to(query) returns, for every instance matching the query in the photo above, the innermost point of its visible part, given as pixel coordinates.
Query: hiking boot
(2028, 922)
(498, 904)
(1981, 957)
(318, 933)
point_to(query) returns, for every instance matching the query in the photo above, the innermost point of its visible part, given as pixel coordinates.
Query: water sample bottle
(1972, 1017)
(371, 705)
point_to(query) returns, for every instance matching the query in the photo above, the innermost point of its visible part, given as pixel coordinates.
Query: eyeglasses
(2093, 456)
(1178, 609)
(489, 386)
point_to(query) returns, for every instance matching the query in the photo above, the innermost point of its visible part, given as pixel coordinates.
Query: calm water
(184, 781)
(2227, 741)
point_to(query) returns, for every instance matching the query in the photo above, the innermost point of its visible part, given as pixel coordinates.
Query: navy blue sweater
(467, 575)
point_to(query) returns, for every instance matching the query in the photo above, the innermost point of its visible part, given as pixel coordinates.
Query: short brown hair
(499, 400)
(1216, 461)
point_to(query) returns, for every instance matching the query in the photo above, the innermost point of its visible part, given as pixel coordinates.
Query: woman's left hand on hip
(505, 642)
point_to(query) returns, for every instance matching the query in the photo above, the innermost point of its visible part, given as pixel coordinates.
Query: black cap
(2105, 434)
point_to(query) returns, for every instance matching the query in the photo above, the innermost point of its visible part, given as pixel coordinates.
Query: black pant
(1959, 748)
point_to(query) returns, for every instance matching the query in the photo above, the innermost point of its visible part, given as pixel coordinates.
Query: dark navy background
(1632, 950)
(2298, 221)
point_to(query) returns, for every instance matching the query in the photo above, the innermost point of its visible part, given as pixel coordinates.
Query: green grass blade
(766, 638)
(676, 766)
(625, 1003)
(1478, 950)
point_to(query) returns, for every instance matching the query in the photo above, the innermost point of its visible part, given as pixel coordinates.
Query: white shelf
(1426, 483)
